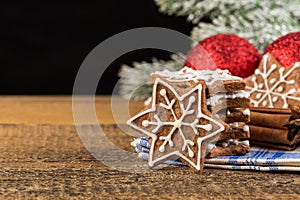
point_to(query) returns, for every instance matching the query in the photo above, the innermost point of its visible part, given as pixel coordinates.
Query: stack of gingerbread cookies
(195, 114)
(275, 99)
(226, 100)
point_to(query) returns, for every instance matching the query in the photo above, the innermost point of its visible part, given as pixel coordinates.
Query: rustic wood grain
(43, 157)
(58, 109)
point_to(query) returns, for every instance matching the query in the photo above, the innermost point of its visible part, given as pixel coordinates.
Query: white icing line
(176, 124)
(214, 100)
(246, 128)
(188, 74)
(273, 92)
(147, 101)
(233, 142)
(237, 125)
(246, 112)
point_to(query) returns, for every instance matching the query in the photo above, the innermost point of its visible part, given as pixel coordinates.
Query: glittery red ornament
(286, 49)
(227, 51)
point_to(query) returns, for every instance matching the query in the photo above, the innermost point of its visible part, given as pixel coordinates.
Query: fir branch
(196, 10)
(260, 24)
(135, 80)
(259, 21)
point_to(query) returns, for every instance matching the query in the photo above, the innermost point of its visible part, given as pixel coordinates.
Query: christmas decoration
(286, 49)
(227, 52)
(258, 21)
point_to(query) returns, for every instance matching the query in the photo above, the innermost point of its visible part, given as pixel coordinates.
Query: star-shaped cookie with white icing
(179, 125)
(274, 86)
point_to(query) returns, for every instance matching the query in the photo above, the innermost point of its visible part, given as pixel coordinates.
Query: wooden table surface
(42, 156)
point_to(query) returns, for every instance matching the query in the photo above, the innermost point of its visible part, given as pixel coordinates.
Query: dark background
(43, 43)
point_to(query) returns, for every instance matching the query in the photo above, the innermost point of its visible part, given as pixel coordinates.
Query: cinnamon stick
(272, 135)
(274, 120)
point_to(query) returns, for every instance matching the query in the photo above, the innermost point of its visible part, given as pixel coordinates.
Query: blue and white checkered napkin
(260, 159)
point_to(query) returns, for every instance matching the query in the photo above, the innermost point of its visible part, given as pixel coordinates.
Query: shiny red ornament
(286, 49)
(227, 51)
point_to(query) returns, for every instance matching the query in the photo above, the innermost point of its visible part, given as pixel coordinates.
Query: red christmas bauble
(286, 49)
(227, 51)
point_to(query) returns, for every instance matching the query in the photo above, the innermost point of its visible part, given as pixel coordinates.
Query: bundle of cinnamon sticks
(275, 128)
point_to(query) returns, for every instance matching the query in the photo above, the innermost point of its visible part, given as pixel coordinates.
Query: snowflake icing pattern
(177, 123)
(270, 90)
(187, 74)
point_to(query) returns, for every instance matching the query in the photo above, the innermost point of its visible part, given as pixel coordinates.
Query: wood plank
(43, 157)
(58, 109)
(50, 161)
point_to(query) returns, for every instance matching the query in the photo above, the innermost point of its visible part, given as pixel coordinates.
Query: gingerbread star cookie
(274, 86)
(178, 124)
